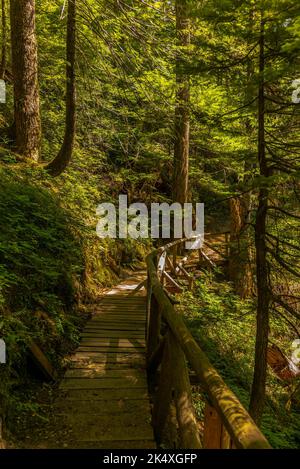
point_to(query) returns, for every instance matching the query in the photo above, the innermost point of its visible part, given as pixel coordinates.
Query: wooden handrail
(242, 431)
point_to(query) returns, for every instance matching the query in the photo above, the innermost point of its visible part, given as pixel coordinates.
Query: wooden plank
(119, 312)
(120, 299)
(95, 372)
(161, 264)
(104, 336)
(85, 348)
(141, 285)
(103, 395)
(215, 435)
(121, 308)
(163, 397)
(98, 444)
(121, 320)
(114, 342)
(109, 383)
(172, 281)
(100, 357)
(42, 361)
(112, 327)
(107, 331)
(188, 428)
(99, 366)
(154, 327)
(120, 324)
(114, 335)
(122, 427)
(104, 407)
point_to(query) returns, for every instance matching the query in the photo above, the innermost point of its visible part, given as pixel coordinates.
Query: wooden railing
(170, 348)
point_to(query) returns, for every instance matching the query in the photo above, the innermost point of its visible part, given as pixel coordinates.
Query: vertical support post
(175, 256)
(200, 255)
(154, 320)
(189, 437)
(148, 307)
(215, 434)
(163, 398)
(2, 442)
(154, 326)
(227, 244)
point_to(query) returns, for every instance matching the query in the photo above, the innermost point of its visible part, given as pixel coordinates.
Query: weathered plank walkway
(104, 396)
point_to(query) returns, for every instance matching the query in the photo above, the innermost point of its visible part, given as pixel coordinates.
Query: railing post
(154, 327)
(215, 435)
(154, 321)
(174, 256)
(189, 437)
(148, 306)
(227, 239)
(200, 257)
(163, 398)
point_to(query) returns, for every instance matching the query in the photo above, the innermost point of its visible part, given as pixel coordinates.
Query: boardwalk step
(125, 426)
(109, 349)
(96, 365)
(140, 407)
(112, 343)
(105, 394)
(103, 399)
(108, 383)
(114, 335)
(123, 444)
(101, 372)
(98, 357)
(113, 327)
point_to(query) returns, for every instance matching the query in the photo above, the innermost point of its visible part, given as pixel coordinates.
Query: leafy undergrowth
(225, 329)
(52, 269)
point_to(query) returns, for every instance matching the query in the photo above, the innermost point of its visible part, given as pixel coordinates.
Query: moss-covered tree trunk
(241, 257)
(25, 76)
(64, 156)
(4, 39)
(263, 295)
(240, 266)
(182, 119)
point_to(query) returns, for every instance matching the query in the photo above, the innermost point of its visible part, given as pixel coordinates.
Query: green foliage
(41, 264)
(39, 252)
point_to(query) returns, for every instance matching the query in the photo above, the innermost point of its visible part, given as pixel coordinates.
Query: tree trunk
(240, 269)
(4, 38)
(182, 120)
(240, 259)
(63, 158)
(263, 296)
(25, 75)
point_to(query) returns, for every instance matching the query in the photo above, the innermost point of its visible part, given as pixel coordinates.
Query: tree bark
(182, 119)
(4, 39)
(240, 258)
(240, 269)
(263, 296)
(64, 156)
(25, 73)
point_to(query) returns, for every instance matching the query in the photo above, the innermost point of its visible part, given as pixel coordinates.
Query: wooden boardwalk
(104, 398)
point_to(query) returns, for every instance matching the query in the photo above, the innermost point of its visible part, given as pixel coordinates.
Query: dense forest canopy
(164, 101)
